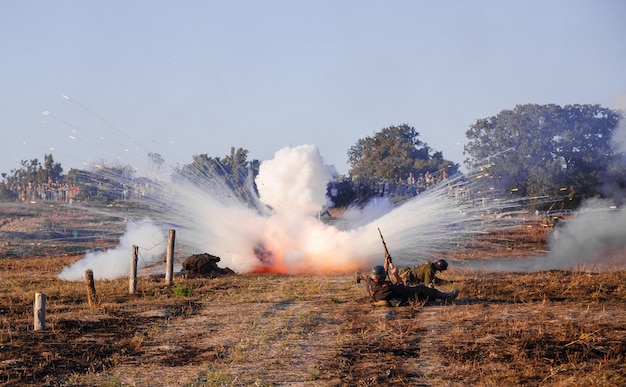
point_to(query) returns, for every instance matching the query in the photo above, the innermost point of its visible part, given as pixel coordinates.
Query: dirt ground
(553, 328)
(56, 229)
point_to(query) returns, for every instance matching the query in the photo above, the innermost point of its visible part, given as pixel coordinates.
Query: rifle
(387, 255)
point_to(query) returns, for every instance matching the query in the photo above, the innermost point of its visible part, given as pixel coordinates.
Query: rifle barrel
(387, 255)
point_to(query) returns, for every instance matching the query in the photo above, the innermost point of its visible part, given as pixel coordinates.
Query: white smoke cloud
(115, 263)
(295, 180)
(618, 138)
(209, 217)
(594, 240)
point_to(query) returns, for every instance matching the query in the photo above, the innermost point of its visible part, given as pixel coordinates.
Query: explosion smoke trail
(278, 231)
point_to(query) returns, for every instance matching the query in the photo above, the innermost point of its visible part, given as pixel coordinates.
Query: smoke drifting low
(115, 263)
(594, 240)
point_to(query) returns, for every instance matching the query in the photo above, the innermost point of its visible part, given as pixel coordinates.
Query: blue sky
(181, 78)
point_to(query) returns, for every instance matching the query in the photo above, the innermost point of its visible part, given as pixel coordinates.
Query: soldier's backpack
(204, 264)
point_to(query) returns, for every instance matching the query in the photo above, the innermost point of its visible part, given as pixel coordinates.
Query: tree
(233, 170)
(51, 171)
(544, 150)
(237, 165)
(6, 194)
(34, 173)
(105, 183)
(393, 153)
(32, 177)
(155, 161)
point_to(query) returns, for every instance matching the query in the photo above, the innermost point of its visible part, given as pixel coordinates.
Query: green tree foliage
(103, 183)
(392, 154)
(34, 173)
(234, 170)
(6, 193)
(155, 162)
(545, 151)
(51, 171)
(32, 177)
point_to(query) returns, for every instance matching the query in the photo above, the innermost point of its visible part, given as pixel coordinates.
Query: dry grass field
(553, 328)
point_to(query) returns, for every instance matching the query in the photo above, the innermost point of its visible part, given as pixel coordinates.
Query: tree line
(549, 151)
(562, 155)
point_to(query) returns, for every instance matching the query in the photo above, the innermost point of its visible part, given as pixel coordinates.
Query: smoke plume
(115, 263)
(594, 240)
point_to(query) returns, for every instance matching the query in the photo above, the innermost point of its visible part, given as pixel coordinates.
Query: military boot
(452, 295)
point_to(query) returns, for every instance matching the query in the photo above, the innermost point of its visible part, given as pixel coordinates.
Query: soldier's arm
(394, 271)
(429, 278)
(386, 265)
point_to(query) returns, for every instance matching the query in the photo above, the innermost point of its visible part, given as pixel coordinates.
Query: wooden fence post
(40, 312)
(169, 273)
(132, 280)
(91, 288)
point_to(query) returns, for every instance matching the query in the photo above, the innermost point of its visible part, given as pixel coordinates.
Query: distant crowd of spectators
(64, 192)
(403, 187)
(49, 191)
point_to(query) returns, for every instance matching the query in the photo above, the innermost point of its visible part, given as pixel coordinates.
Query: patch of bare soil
(51, 228)
(527, 238)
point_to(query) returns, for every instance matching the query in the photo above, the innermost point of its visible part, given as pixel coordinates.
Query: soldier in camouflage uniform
(204, 265)
(385, 292)
(421, 274)
(424, 273)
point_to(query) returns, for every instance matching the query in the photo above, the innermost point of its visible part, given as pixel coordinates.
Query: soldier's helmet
(378, 273)
(441, 265)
